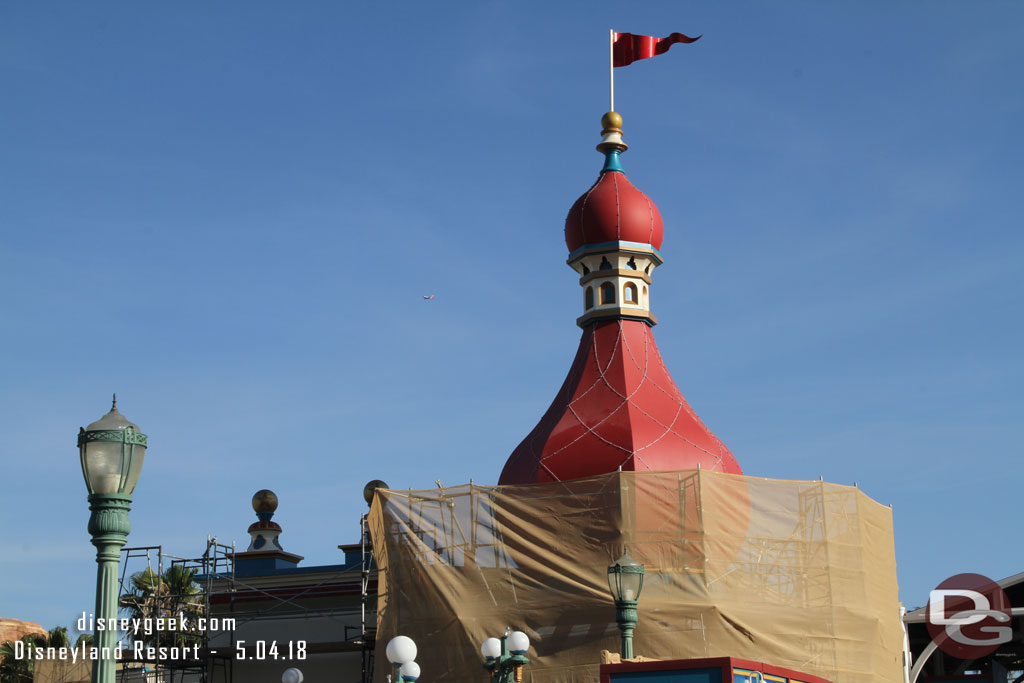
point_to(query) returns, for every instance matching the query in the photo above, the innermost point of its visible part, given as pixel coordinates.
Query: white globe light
(491, 648)
(410, 671)
(291, 676)
(518, 642)
(400, 650)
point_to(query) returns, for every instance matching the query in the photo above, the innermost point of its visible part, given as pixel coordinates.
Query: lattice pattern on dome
(617, 409)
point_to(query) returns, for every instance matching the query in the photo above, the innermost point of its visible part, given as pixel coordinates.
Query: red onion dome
(613, 210)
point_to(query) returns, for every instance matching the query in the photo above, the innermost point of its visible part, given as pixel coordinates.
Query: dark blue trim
(290, 571)
(614, 316)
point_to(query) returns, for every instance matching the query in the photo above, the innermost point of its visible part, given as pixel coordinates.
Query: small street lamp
(292, 675)
(401, 652)
(111, 450)
(505, 658)
(625, 579)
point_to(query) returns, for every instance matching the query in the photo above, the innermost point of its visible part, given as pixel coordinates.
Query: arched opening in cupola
(607, 293)
(629, 293)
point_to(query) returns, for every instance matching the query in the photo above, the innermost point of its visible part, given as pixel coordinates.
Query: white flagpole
(611, 70)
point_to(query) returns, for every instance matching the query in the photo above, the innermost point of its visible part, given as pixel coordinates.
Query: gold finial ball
(611, 120)
(264, 500)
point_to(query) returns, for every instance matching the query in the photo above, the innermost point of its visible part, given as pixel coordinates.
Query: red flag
(628, 48)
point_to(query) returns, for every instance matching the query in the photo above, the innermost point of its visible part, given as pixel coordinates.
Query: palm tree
(153, 596)
(14, 670)
(56, 637)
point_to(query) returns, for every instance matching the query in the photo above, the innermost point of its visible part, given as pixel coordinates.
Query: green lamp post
(505, 657)
(625, 579)
(111, 449)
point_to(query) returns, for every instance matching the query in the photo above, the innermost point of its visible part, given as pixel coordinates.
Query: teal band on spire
(611, 161)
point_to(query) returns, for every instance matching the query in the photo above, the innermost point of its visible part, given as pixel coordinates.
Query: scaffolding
(157, 585)
(443, 539)
(367, 633)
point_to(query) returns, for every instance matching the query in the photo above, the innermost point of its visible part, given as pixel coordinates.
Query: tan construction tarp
(796, 574)
(62, 671)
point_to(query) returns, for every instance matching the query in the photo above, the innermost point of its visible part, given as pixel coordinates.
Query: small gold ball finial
(264, 500)
(611, 136)
(612, 119)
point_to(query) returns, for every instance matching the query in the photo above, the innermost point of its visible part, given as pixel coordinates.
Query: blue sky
(229, 213)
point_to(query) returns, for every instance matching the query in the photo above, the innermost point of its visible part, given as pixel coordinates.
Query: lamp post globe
(625, 581)
(401, 651)
(505, 657)
(518, 643)
(111, 451)
(292, 675)
(410, 671)
(491, 649)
